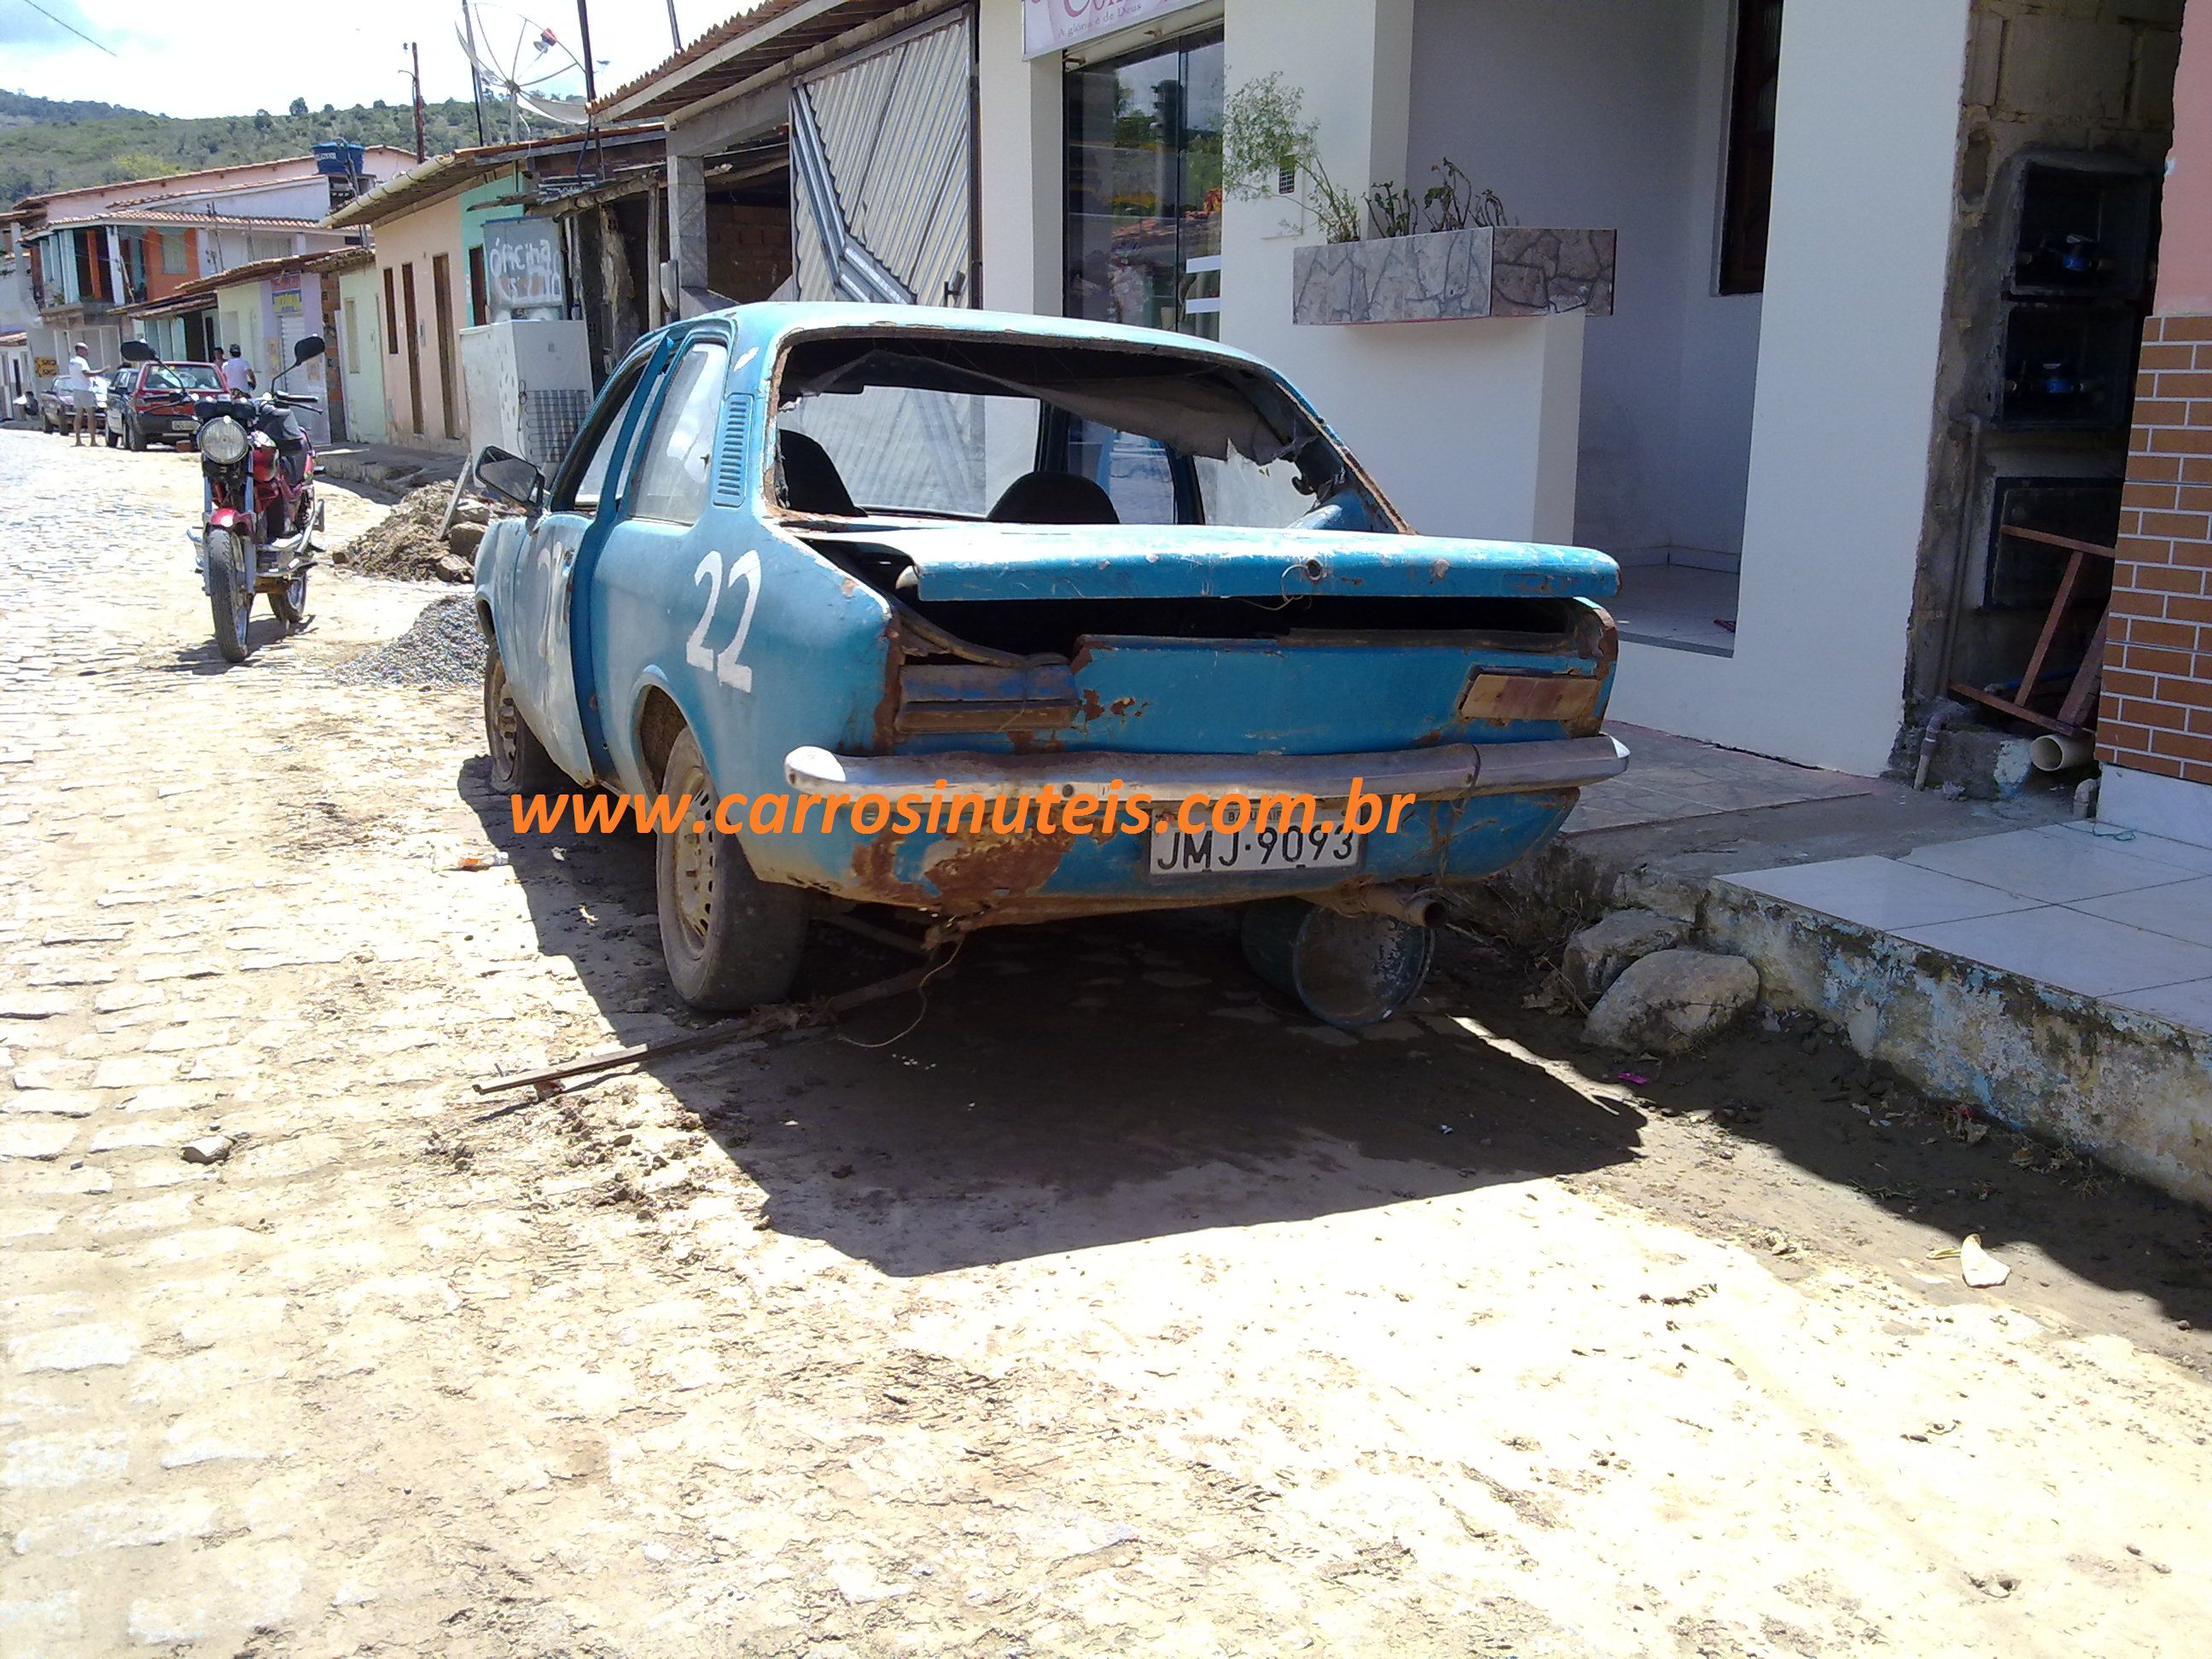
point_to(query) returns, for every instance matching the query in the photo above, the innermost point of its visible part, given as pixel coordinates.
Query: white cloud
(168, 58)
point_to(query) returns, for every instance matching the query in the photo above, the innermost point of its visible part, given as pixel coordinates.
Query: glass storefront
(1143, 236)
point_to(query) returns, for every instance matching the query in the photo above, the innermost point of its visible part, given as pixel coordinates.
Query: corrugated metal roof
(737, 49)
(178, 216)
(456, 170)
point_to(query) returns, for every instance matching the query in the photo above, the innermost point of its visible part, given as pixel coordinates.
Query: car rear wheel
(731, 939)
(519, 764)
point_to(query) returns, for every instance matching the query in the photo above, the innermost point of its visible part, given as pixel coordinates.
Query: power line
(71, 27)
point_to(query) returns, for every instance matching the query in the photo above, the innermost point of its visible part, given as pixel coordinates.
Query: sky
(183, 58)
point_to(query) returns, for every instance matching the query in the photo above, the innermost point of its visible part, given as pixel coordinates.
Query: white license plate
(1249, 852)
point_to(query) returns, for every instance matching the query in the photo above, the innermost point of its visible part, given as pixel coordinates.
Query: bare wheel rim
(505, 726)
(693, 850)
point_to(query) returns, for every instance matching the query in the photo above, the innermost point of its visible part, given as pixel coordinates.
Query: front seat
(1054, 498)
(810, 484)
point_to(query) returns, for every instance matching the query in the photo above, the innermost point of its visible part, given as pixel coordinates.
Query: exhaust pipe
(1414, 906)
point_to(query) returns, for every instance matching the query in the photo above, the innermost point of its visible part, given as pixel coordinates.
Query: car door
(653, 546)
(535, 616)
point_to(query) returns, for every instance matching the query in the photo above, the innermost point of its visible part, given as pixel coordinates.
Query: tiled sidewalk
(2103, 912)
(1671, 778)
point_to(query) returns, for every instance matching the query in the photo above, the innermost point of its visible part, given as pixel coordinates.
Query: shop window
(1751, 146)
(1143, 230)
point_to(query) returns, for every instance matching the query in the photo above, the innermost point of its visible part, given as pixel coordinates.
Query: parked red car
(159, 403)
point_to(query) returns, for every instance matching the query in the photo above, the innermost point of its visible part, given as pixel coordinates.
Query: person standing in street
(78, 384)
(237, 374)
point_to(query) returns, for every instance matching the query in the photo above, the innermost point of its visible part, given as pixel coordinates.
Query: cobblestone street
(1108, 1308)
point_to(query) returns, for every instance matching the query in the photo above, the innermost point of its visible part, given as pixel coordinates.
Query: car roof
(780, 319)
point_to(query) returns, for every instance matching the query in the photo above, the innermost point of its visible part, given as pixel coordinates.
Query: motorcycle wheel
(291, 604)
(230, 594)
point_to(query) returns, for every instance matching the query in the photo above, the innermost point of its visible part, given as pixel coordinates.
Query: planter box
(1506, 271)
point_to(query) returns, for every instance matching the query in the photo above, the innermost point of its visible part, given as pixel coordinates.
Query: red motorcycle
(259, 513)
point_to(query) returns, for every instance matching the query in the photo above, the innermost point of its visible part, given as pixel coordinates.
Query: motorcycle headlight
(222, 441)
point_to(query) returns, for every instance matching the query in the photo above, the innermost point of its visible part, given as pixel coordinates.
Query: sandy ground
(1111, 1307)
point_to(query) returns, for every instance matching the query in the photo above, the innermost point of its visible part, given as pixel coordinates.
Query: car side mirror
(137, 351)
(511, 477)
(308, 345)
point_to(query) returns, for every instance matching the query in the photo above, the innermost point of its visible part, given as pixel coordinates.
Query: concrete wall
(1469, 427)
(1846, 385)
(1609, 113)
(416, 238)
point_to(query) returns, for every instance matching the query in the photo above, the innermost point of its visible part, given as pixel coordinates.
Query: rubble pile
(405, 543)
(442, 647)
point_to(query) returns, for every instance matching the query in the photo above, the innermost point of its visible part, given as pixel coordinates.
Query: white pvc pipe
(2053, 753)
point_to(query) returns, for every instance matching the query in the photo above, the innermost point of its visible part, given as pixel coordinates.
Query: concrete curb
(2132, 1090)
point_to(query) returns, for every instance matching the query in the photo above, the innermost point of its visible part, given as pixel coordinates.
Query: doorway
(441, 298)
(413, 351)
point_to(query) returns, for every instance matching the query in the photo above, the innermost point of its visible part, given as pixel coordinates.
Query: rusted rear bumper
(1447, 772)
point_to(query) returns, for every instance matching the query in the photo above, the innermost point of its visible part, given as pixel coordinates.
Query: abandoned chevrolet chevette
(847, 550)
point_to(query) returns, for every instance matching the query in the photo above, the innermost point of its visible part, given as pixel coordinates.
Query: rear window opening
(915, 425)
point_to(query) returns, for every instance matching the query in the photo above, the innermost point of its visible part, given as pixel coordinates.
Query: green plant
(1390, 209)
(1454, 204)
(1265, 138)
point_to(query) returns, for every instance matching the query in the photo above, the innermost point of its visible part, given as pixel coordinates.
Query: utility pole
(476, 80)
(675, 34)
(415, 52)
(583, 26)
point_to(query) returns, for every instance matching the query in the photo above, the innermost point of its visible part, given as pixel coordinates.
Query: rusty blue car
(838, 551)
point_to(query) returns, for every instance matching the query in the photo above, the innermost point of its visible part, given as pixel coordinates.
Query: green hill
(46, 145)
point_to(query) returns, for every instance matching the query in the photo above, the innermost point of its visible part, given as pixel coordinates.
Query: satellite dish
(522, 60)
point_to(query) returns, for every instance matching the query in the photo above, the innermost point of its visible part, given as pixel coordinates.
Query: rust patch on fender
(977, 874)
(1503, 699)
(874, 868)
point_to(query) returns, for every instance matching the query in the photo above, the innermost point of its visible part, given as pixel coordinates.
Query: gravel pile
(442, 647)
(405, 543)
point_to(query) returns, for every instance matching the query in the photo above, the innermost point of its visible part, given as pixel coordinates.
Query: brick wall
(2155, 714)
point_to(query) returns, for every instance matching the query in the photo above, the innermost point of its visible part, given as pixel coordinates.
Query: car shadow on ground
(1061, 1086)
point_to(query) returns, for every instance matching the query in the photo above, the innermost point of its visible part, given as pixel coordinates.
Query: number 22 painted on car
(724, 667)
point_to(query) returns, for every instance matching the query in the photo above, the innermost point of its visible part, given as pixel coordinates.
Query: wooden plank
(2067, 542)
(2081, 705)
(2006, 706)
(2060, 602)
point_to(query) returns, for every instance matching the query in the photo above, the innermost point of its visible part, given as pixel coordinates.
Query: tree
(298, 106)
(262, 122)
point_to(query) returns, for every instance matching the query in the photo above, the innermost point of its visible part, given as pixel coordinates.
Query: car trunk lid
(969, 561)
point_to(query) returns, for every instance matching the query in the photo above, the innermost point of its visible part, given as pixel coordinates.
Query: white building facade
(1775, 395)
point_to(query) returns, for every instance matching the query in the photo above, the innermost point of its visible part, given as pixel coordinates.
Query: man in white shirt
(237, 374)
(78, 384)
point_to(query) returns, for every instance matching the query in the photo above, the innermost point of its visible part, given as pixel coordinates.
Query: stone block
(1503, 271)
(1672, 1001)
(1599, 954)
(2066, 69)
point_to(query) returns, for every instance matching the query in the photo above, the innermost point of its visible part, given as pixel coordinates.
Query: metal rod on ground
(784, 1016)
(868, 930)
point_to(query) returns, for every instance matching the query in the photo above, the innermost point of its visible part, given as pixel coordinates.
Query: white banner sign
(1053, 24)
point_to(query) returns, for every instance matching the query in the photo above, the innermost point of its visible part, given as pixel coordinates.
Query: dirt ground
(1100, 1305)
